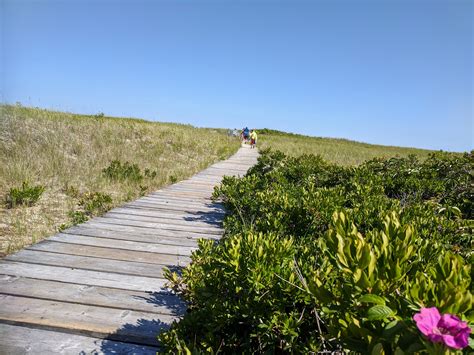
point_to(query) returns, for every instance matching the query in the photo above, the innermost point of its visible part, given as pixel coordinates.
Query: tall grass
(66, 153)
(339, 151)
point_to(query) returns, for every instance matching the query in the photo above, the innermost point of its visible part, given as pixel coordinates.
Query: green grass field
(66, 153)
(339, 151)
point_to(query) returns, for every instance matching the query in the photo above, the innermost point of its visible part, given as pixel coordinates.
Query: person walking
(253, 138)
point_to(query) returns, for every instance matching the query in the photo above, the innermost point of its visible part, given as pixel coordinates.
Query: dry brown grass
(63, 151)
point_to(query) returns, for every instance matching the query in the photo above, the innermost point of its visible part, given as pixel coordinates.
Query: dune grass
(66, 153)
(339, 151)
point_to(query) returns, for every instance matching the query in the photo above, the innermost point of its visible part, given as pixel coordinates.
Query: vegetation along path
(98, 287)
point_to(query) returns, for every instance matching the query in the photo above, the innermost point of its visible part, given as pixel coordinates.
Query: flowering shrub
(320, 257)
(446, 328)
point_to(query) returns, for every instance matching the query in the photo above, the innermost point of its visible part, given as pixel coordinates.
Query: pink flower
(446, 328)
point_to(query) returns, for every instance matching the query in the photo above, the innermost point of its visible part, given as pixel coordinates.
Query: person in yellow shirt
(253, 139)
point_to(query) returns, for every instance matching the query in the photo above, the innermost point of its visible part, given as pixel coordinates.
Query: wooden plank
(189, 222)
(208, 175)
(171, 207)
(208, 216)
(182, 193)
(142, 231)
(196, 218)
(206, 179)
(83, 277)
(111, 253)
(244, 164)
(20, 340)
(115, 324)
(191, 186)
(145, 231)
(40, 257)
(199, 182)
(227, 169)
(88, 231)
(159, 226)
(188, 191)
(188, 201)
(180, 206)
(160, 204)
(123, 244)
(180, 196)
(151, 302)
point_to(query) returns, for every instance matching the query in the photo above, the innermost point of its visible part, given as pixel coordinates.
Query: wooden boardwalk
(97, 288)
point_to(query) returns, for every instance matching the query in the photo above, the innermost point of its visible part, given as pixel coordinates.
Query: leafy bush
(319, 257)
(92, 204)
(119, 171)
(95, 203)
(78, 217)
(25, 195)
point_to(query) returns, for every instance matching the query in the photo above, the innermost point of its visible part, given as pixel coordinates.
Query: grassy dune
(339, 151)
(66, 153)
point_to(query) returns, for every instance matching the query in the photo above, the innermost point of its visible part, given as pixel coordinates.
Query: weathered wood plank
(189, 202)
(191, 186)
(115, 324)
(196, 216)
(175, 207)
(185, 192)
(88, 231)
(40, 257)
(138, 231)
(159, 226)
(111, 253)
(19, 340)
(227, 170)
(151, 302)
(146, 231)
(123, 244)
(175, 200)
(205, 179)
(178, 195)
(83, 277)
(165, 220)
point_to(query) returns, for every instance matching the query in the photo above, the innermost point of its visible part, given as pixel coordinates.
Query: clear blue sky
(394, 72)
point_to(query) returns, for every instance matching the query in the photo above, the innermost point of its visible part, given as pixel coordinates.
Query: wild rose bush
(444, 329)
(320, 257)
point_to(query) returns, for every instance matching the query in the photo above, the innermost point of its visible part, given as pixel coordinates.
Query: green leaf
(371, 298)
(378, 349)
(379, 312)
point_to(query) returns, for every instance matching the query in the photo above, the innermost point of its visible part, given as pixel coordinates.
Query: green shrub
(320, 257)
(118, 171)
(25, 195)
(78, 217)
(92, 204)
(95, 203)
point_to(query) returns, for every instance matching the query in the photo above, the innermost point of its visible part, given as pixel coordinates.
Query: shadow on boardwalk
(143, 332)
(143, 335)
(214, 220)
(212, 217)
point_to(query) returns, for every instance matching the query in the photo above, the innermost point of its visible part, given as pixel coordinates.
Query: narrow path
(98, 288)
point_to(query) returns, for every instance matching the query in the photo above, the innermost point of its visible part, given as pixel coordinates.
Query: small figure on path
(253, 138)
(245, 134)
